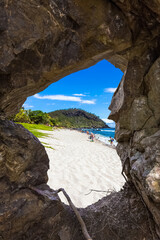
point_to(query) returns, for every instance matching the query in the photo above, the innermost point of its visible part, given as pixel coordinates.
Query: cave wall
(42, 41)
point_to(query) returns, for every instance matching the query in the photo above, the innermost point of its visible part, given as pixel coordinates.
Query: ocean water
(103, 134)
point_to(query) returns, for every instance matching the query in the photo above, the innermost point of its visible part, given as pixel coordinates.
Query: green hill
(77, 118)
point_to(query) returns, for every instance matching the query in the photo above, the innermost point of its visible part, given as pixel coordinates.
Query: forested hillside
(77, 118)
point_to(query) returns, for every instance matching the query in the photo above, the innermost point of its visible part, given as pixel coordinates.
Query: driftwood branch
(51, 195)
(93, 190)
(83, 226)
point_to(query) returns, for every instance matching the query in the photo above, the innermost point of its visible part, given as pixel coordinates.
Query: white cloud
(59, 97)
(106, 120)
(79, 95)
(64, 98)
(109, 122)
(88, 101)
(25, 105)
(110, 90)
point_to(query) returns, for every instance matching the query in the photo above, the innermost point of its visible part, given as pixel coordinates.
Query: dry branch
(94, 190)
(83, 226)
(51, 195)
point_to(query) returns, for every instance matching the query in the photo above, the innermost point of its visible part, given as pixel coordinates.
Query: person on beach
(111, 140)
(92, 137)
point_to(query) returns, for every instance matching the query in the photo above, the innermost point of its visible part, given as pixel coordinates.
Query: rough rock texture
(23, 159)
(40, 42)
(118, 216)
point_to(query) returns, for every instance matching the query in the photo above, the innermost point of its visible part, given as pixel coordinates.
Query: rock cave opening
(44, 41)
(85, 170)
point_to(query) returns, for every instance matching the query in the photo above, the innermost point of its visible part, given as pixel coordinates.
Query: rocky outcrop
(23, 158)
(23, 164)
(43, 41)
(135, 108)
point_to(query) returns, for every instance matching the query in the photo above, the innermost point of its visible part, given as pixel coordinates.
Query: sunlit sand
(78, 165)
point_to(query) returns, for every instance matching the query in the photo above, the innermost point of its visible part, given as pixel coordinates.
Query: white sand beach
(78, 165)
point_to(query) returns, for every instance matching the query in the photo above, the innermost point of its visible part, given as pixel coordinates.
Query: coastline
(78, 165)
(103, 143)
(103, 138)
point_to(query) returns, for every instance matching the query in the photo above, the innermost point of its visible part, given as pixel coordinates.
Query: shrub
(22, 116)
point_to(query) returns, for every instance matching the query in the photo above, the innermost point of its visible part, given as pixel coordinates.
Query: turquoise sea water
(103, 134)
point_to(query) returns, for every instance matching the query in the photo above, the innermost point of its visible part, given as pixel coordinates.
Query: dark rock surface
(42, 41)
(23, 158)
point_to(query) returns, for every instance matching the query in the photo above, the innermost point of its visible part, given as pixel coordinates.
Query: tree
(22, 116)
(38, 117)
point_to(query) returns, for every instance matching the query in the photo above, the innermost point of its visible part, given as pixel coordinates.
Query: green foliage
(39, 117)
(39, 134)
(77, 118)
(22, 116)
(53, 121)
(70, 118)
(34, 129)
(47, 145)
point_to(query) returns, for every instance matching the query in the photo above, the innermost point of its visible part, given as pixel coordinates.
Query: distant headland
(77, 118)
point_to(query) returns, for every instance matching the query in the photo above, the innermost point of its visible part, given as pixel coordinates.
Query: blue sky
(90, 89)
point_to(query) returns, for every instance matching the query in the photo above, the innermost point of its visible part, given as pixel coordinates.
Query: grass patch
(49, 147)
(38, 134)
(46, 145)
(33, 128)
(30, 127)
